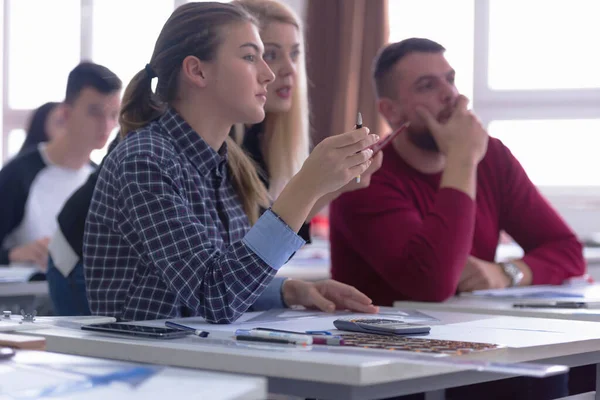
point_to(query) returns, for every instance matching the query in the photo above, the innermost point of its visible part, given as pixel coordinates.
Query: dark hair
(36, 130)
(96, 76)
(391, 54)
(194, 29)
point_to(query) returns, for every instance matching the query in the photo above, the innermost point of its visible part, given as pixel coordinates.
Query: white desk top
(74, 377)
(513, 251)
(530, 340)
(502, 307)
(312, 262)
(502, 302)
(14, 289)
(16, 273)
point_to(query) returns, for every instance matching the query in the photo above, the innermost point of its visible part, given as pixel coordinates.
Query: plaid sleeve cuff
(273, 240)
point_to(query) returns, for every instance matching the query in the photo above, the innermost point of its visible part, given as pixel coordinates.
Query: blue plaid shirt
(166, 235)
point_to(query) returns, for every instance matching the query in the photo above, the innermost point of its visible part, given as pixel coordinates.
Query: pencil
(359, 123)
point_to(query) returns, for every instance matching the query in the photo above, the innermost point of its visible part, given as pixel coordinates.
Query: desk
(74, 377)
(25, 295)
(17, 289)
(16, 292)
(330, 373)
(312, 262)
(514, 251)
(504, 306)
(582, 396)
(500, 307)
(16, 273)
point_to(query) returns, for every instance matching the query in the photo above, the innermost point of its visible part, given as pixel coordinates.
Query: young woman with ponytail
(174, 228)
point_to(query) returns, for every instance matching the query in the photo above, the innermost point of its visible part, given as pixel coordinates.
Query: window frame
(497, 105)
(11, 118)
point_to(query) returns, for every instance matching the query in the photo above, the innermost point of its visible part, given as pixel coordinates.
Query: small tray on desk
(417, 345)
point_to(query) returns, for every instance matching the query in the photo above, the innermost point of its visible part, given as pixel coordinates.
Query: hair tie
(149, 71)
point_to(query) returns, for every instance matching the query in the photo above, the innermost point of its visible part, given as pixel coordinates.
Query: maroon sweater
(404, 238)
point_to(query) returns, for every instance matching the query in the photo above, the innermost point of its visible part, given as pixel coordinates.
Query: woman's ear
(194, 71)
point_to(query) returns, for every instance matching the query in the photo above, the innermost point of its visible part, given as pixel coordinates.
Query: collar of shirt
(204, 157)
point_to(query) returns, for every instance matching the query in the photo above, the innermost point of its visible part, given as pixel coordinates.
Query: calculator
(380, 326)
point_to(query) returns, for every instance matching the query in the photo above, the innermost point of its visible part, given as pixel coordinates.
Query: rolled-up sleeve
(273, 240)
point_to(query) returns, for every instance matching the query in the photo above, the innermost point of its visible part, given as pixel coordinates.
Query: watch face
(513, 272)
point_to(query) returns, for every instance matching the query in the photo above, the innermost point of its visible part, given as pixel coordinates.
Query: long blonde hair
(288, 133)
(193, 29)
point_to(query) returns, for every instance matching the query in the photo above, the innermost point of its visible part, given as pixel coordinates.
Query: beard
(423, 139)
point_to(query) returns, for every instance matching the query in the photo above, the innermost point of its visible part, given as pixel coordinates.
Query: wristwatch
(513, 272)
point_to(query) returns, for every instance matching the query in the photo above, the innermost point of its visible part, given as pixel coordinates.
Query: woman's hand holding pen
(365, 178)
(354, 184)
(332, 164)
(337, 160)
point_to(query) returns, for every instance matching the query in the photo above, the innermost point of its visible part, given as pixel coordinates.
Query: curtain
(342, 39)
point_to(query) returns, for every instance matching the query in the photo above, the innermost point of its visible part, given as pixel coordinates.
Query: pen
(559, 304)
(196, 332)
(247, 338)
(294, 337)
(358, 125)
(279, 330)
(329, 341)
(316, 339)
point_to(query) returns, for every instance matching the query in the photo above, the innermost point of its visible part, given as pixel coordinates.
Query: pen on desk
(294, 337)
(329, 341)
(247, 338)
(195, 331)
(317, 339)
(279, 330)
(359, 123)
(559, 304)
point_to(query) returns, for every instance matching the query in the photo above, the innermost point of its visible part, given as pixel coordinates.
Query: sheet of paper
(12, 274)
(541, 292)
(303, 318)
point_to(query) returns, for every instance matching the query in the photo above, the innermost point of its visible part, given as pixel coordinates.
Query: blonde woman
(280, 143)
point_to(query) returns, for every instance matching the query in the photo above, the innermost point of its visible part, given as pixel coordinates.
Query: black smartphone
(138, 330)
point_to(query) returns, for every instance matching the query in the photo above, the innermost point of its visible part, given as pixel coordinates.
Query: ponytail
(249, 187)
(195, 28)
(139, 106)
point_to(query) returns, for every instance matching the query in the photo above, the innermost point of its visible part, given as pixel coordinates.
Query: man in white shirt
(36, 184)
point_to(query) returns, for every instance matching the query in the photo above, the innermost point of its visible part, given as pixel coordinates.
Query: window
(555, 53)
(554, 152)
(534, 86)
(124, 33)
(431, 19)
(16, 137)
(40, 59)
(125, 51)
(119, 34)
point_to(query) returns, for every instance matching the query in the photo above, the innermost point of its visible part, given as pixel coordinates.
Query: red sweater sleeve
(552, 250)
(419, 256)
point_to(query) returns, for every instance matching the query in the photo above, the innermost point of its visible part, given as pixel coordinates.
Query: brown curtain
(342, 38)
